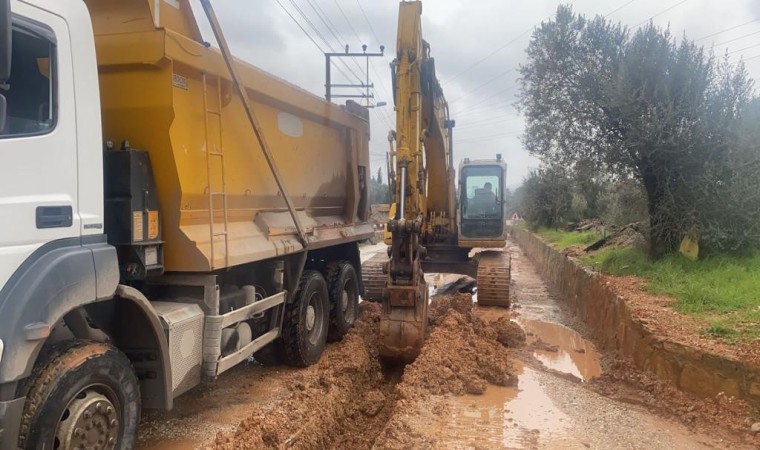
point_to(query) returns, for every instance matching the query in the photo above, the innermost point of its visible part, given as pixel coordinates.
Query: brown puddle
(511, 417)
(504, 417)
(562, 349)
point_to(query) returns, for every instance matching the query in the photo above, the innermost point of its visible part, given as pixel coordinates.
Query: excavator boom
(425, 222)
(405, 298)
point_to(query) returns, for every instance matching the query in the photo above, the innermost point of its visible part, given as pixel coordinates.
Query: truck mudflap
(10, 421)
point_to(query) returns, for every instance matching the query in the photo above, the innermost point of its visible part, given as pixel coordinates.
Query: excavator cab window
(29, 91)
(482, 188)
(482, 201)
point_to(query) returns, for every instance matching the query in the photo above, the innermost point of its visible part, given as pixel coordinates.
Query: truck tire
(84, 395)
(304, 331)
(343, 285)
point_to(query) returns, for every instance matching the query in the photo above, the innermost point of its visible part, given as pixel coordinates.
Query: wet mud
(486, 378)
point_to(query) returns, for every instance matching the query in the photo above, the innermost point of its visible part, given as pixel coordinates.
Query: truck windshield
(29, 91)
(482, 196)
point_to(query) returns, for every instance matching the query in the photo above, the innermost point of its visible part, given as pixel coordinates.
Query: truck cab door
(38, 141)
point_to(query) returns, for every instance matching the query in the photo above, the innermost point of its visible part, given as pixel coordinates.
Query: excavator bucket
(404, 323)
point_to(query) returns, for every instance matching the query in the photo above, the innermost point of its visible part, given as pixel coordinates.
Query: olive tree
(638, 104)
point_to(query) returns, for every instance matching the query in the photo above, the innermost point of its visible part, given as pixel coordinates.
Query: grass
(723, 290)
(564, 239)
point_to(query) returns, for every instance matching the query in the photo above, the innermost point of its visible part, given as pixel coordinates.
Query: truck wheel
(343, 286)
(85, 395)
(304, 332)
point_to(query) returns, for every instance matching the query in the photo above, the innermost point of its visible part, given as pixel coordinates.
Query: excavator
(438, 222)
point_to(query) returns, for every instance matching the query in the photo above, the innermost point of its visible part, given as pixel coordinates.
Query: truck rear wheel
(84, 395)
(343, 286)
(304, 332)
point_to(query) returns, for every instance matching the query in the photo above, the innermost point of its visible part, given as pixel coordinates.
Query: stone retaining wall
(613, 328)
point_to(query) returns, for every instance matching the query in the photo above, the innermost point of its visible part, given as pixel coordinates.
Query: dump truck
(167, 212)
(435, 224)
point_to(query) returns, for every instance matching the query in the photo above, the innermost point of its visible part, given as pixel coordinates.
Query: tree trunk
(663, 224)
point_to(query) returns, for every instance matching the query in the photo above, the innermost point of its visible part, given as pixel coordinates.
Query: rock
(755, 428)
(374, 401)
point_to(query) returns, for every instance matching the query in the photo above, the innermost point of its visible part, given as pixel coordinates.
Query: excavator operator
(484, 200)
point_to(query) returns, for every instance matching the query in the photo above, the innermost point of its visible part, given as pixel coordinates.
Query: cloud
(482, 94)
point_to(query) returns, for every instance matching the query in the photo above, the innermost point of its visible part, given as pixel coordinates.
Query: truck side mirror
(5, 40)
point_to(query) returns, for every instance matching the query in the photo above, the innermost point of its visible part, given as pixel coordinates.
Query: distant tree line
(634, 122)
(378, 189)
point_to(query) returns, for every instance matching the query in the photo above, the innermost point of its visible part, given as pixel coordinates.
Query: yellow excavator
(432, 227)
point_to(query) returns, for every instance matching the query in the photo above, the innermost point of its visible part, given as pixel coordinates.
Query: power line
(493, 98)
(332, 29)
(384, 113)
(512, 41)
(389, 92)
(321, 36)
(308, 35)
(371, 28)
(486, 83)
(742, 49)
(488, 121)
(346, 18)
(738, 38)
(492, 137)
(324, 21)
(330, 25)
(618, 8)
(661, 13)
(726, 30)
(476, 63)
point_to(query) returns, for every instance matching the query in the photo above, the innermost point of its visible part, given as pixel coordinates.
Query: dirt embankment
(349, 400)
(719, 414)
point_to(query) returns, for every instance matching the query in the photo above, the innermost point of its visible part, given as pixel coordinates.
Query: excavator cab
(481, 200)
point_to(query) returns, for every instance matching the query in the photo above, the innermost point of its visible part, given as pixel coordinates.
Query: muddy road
(481, 381)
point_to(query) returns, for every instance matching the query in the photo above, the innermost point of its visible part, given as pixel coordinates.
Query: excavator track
(493, 279)
(374, 278)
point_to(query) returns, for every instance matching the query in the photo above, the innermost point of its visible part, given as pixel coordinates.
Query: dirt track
(474, 386)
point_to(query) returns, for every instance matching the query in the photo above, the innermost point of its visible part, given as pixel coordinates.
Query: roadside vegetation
(651, 134)
(562, 239)
(722, 290)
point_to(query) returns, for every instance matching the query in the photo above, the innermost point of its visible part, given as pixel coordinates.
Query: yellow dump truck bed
(166, 92)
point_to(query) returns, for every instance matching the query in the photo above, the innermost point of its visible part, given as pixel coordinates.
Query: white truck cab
(93, 325)
(53, 251)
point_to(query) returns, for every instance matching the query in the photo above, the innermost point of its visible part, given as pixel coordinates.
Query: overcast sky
(477, 47)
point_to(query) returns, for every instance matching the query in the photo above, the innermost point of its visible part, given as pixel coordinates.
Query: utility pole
(329, 85)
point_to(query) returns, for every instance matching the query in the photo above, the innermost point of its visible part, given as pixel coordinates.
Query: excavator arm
(422, 142)
(425, 222)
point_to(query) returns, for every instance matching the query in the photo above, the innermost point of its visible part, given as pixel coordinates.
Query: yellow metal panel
(145, 47)
(130, 16)
(200, 142)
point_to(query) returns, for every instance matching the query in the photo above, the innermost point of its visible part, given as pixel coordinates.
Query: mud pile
(324, 399)
(461, 356)
(350, 400)
(508, 333)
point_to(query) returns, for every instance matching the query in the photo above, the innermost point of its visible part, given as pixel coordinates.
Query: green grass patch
(564, 239)
(723, 290)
